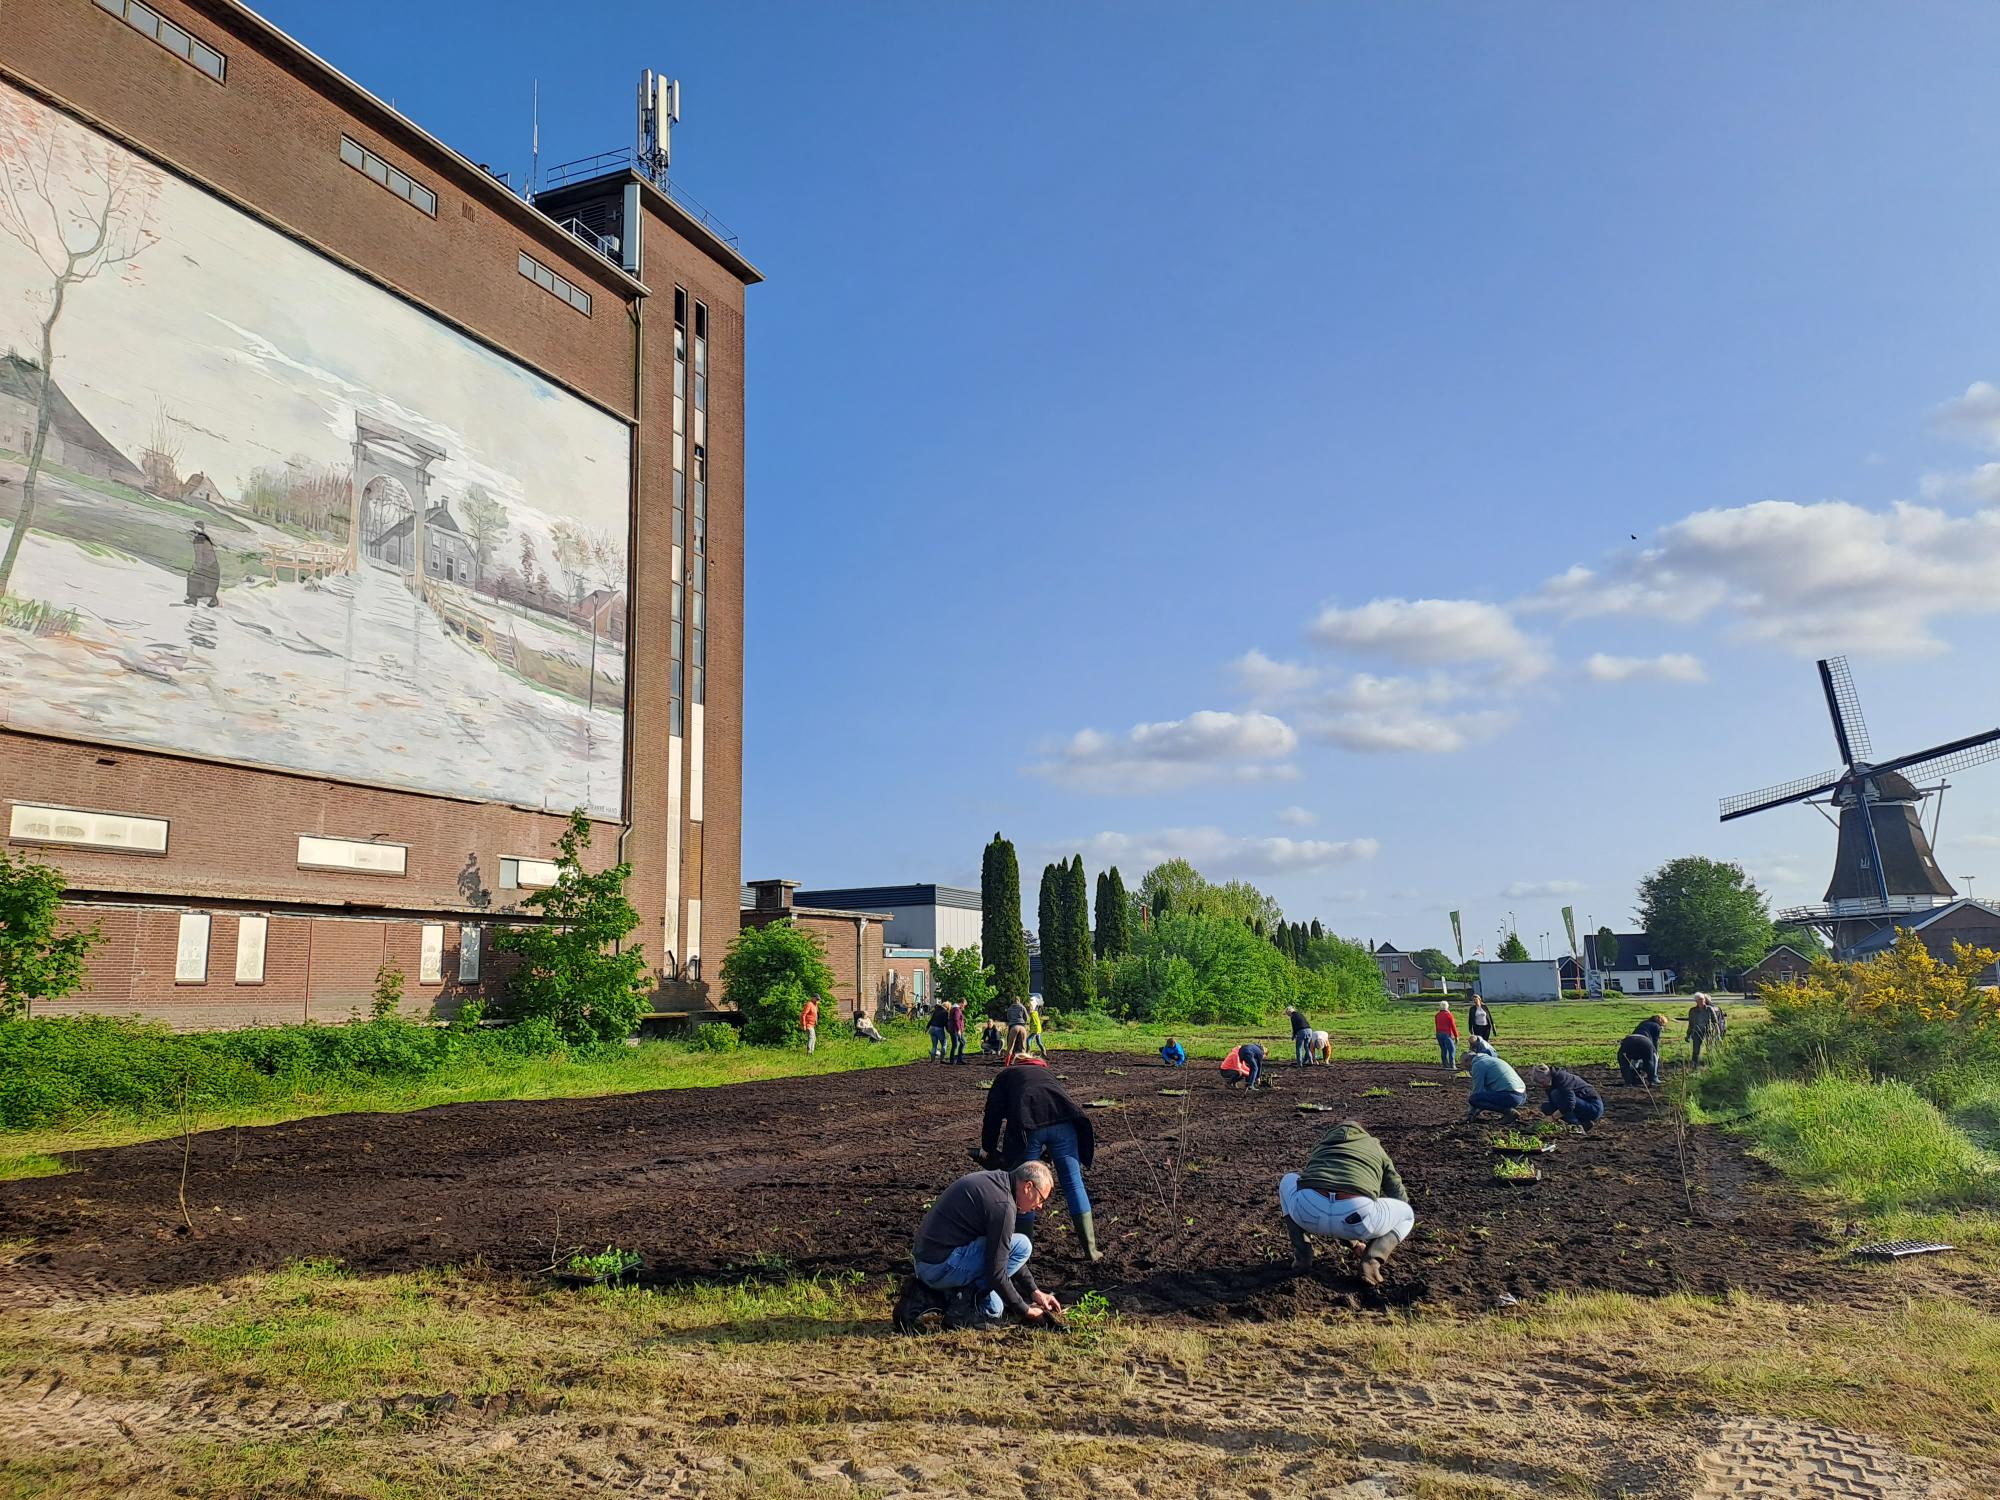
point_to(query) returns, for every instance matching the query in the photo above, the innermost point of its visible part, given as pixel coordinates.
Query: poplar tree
(1002, 942)
(1049, 927)
(1076, 924)
(1100, 932)
(1114, 915)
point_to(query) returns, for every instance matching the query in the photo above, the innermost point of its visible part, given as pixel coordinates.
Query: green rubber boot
(1379, 1250)
(1086, 1227)
(1302, 1250)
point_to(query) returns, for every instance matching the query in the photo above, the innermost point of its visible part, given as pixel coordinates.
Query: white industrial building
(930, 917)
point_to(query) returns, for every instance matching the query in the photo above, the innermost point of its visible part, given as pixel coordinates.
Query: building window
(521, 874)
(251, 933)
(1645, 986)
(378, 171)
(676, 674)
(150, 23)
(430, 961)
(1645, 961)
(468, 955)
(555, 285)
(191, 950)
(33, 823)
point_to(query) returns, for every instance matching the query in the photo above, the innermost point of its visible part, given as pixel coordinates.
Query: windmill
(1883, 867)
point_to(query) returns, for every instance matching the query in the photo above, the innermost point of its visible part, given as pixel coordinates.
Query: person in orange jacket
(1245, 1064)
(809, 1018)
(1447, 1034)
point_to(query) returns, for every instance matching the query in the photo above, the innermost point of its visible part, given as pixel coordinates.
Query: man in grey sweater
(968, 1243)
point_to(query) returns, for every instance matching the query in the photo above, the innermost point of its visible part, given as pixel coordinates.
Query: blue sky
(1258, 374)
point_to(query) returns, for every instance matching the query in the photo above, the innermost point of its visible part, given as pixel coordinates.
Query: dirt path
(834, 1173)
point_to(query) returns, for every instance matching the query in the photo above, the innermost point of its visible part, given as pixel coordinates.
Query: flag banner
(1458, 937)
(1569, 921)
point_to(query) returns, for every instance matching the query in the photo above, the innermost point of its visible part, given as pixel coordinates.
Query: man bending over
(968, 1244)
(1349, 1190)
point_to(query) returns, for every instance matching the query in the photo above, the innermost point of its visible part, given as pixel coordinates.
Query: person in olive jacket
(1028, 1112)
(1349, 1190)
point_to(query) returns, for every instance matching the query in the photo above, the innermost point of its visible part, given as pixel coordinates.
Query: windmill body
(1883, 867)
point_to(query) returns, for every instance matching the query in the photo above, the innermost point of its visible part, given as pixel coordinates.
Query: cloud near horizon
(1527, 889)
(1669, 666)
(1223, 856)
(1209, 745)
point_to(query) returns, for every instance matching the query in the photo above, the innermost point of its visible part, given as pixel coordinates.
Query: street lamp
(1968, 879)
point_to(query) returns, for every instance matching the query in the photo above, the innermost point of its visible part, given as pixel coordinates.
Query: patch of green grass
(30, 1164)
(1881, 1146)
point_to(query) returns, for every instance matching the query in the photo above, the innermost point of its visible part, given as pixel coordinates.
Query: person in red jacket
(1447, 1034)
(809, 1018)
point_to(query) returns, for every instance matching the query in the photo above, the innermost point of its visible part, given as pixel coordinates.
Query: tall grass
(1882, 1146)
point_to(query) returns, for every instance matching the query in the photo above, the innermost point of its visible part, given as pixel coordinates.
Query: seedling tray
(1897, 1249)
(1542, 1150)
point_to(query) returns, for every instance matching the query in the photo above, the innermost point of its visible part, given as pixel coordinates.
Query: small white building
(1529, 979)
(1624, 967)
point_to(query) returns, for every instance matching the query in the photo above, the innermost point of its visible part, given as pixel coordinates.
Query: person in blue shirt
(1495, 1086)
(1174, 1055)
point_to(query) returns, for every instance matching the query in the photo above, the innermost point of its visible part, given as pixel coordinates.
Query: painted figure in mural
(205, 576)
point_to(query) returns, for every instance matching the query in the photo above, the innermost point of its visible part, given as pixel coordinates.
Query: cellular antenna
(659, 109)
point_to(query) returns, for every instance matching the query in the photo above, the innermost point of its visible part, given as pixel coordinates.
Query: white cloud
(1365, 712)
(1977, 840)
(1349, 896)
(1220, 855)
(1973, 417)
(1811, 577)
(1669, 666)
(1980, 486)
(1430, 632)
(1206, 746)
(1387, 730)
(1266, 681)
(1524, 889)
(1298, 817)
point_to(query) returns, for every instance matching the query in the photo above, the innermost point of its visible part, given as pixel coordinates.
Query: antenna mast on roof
(659, 108)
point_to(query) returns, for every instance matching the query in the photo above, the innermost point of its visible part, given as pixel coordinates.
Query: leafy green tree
(484, 522)
(1702, 916)
(38, 960)
(1001, 939)
(1099, 900)
(768, 974)
(1434, 963)
(1075, 917)
(1158, 903)
(1513, 950)
(1607, 948)
(963, 980)
(1805, 939)
(574, 971)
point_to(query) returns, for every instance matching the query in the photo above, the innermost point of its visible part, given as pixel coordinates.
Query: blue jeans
(1494, 1100)
(1036, 1044)
(966, 1266)
(1582, 1112)
(957, 1046)
(1300, 1056)
(1256, 1070)
(1061, 1141)
(937, 1041)
(1447, 1048)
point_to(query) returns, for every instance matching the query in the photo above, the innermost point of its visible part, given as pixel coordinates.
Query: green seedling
(1314, 1109)
(607, 1265)
(1114, 1072)
(1101, 1104)
(1175, 1093)
(1376, 1093)
(1423, 1083)
(1516, 1171)
(1521, 1140)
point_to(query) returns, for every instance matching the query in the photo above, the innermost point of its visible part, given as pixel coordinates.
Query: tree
(1805, 939)
(38, 961)
(1513, 950)
(1075, 922)
(768, 974)
(575, 557)
(1434, 963)
(1100, 904)
(1048, 928)
(484, 521)
(1316, 933)
(80, 207)
(1702, 916)
(574, 971)
(963, 980)
(1607, 948)
(1118, 917)
(1000, 934)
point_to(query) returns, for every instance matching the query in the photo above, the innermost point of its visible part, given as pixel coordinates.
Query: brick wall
(268, 141)
(835, 934)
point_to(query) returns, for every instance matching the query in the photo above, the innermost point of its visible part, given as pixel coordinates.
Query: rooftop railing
(583, 168)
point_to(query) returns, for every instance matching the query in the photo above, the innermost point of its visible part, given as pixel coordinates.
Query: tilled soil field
(833, 1173)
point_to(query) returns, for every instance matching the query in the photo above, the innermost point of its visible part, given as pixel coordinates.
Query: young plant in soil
(608, 1264)
(1528, 1142)
(1516, 1171)
(1376, 1093)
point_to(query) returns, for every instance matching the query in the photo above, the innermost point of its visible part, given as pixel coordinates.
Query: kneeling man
(968, 1243)
(1349, 1191)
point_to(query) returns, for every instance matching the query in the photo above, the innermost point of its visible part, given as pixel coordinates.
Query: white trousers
(1344, 1218)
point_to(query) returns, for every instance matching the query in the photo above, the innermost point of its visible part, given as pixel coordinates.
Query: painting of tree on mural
(255, 508)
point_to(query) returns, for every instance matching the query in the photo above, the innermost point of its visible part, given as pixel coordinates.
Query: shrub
(963, 980)
(1881, 1144)
(715, 1036)
(767, 975)
(575, 972)
(37, 960)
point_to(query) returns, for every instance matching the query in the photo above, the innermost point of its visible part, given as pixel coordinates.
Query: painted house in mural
(72, 442)
(297, 682)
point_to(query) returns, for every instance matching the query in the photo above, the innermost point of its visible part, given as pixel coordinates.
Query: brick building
(268, 750)
(851, 940)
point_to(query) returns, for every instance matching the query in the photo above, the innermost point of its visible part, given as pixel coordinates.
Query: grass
(1880, 1146)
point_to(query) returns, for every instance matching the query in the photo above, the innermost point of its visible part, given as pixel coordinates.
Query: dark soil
(833, 1173)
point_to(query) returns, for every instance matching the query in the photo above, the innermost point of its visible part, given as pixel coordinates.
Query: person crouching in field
(991, 1043)
(1245, 1064)
(1319, 1046)
(1174, 1055)
(1349, 1190)
(968, 1246)
(1570, 1099)
(1639, 1053)
(1495, 1086)
(1037, 1114)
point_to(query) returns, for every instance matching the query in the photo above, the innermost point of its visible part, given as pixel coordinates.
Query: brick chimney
(772, 895)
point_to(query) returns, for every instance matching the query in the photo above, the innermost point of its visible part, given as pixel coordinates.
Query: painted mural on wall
(255, 508)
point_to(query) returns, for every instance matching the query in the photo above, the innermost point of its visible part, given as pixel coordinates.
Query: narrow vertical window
(430, 967)
(251, 933)
(468, 955)
(191, 951)
(676, 701)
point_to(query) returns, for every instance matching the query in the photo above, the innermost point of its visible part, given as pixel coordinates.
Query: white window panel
(468, 955)
(251, 935)
(430, 966)
(518, 872)
(365, 856)
(191, 951)
(36, 823)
